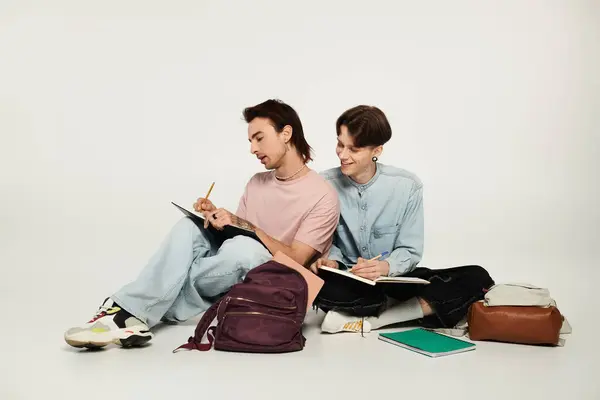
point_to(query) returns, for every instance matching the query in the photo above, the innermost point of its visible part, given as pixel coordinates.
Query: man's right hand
(204, 205)
(323, 262)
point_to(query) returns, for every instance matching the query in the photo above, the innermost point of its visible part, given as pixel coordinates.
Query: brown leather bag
(515, 324)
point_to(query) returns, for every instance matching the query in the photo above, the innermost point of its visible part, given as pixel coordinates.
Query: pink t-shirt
(304, 209)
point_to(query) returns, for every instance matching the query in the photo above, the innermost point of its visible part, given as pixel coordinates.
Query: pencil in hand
(199, 204)
(209, 190)
(204, 200)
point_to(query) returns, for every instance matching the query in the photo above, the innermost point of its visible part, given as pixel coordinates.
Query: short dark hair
(367, 125)
(280, 115)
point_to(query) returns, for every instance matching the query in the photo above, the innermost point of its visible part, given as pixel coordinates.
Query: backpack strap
(195, 342)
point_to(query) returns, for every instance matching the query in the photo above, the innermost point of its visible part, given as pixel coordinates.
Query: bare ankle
(425, 307)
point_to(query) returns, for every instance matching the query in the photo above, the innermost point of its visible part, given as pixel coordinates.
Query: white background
(110, 110)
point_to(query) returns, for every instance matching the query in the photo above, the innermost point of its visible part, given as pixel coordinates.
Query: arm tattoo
(242, 223)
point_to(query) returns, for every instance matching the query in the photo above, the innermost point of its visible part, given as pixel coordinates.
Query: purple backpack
(262, 314)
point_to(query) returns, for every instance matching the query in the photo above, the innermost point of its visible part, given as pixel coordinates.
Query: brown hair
(367, 125)
(280, 115)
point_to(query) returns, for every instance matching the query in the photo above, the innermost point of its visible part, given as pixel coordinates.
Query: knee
(184, 224)
(244, 250)
(184, 228)
(481, 275)
(241, 243)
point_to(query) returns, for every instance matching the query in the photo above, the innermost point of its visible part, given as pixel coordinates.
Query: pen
(374, 258)
(385, 253)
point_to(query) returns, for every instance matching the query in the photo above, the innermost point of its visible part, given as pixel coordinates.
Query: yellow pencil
(209, 190)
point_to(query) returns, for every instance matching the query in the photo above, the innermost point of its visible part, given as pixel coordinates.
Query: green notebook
(427, 342)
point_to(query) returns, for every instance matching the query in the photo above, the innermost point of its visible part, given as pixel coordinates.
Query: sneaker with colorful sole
(111, 324)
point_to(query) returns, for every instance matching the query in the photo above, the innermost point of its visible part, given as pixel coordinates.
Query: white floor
(55, 276)
(37, 364)
(110, 110)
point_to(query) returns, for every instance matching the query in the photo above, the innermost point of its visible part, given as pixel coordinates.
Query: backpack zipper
(258, 313)
(256, 302)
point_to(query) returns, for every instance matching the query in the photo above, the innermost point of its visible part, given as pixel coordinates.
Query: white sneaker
(335, 322)
(111, 324)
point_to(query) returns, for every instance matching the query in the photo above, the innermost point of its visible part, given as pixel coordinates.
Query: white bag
(518, 294)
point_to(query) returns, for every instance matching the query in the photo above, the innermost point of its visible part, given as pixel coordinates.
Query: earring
(374, 158)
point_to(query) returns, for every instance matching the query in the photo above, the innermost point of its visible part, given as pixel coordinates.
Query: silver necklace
(292, 175)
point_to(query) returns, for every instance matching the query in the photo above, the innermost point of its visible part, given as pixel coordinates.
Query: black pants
(450, 293)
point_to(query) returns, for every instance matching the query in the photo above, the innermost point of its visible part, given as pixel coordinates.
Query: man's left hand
(219, 218)
(371, 269)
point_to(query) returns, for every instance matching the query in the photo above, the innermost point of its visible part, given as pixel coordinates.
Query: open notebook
(383, 279)
(228, 232)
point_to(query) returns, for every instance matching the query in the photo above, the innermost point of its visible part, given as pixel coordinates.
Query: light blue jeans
(187, 273)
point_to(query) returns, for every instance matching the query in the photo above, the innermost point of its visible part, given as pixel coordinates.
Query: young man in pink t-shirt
(290, 207)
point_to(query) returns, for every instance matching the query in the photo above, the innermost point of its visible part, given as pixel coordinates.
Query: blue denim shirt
(384, 214)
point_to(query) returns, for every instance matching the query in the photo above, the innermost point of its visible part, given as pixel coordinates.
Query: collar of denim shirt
(364, 186)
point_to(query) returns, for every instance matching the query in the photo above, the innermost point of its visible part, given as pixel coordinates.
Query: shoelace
(362, 324)
(102, 310)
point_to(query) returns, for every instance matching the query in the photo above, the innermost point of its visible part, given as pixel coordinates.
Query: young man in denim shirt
(382, 212)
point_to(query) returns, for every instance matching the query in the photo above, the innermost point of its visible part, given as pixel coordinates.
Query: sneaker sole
(92, 340)
(336, 323)
(134, 341)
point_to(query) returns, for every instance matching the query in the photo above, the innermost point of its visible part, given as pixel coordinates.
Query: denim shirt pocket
(384, 238)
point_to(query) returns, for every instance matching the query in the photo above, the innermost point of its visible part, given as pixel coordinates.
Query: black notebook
(215, 235)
